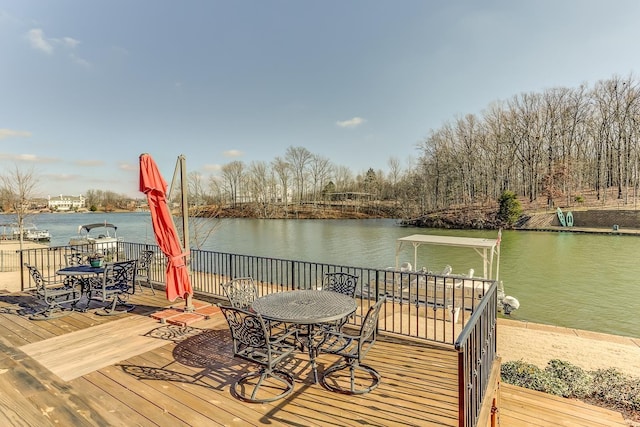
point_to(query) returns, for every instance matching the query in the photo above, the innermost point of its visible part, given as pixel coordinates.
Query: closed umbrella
(155, 187)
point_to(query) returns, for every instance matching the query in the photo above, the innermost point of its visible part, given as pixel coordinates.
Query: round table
(85, 274)
(305, 307)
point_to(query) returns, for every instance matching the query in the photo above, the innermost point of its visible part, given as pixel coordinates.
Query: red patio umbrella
(155, 187)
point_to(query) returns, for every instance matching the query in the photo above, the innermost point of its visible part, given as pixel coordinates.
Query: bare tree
(260, 186)
(298, 159)
(319, 167)
(282, 170)
(208, 219)
(19, 188)
(233, 175)
(343, 178)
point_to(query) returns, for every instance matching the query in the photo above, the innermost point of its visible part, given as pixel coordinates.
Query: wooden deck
(130, 370)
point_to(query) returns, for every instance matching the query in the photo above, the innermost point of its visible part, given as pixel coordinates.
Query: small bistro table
(306, 308)
(85, 274)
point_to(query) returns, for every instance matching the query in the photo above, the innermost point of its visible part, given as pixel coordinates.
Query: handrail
(477, 349)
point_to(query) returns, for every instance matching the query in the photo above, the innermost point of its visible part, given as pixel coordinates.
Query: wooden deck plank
(517, 403)
(89, 349)
(176, 382)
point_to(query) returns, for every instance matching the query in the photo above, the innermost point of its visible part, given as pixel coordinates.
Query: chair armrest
(282, 336)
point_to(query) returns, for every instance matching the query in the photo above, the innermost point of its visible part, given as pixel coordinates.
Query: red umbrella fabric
(155, 187)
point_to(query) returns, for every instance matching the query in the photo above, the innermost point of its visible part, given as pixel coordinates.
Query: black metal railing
(421, 305)
(476, 347)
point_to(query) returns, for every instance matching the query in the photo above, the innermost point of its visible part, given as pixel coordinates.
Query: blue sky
(87, 86)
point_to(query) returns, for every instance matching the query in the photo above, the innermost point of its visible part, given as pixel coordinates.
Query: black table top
(79, 270)
(305, 306)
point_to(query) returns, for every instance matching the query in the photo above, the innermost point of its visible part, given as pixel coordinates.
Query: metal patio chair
(76, 258)
(253, 341)
(352, 349)
(53, 292)
(143, 273)
(115, 288)
(343, 283)
(241, 292)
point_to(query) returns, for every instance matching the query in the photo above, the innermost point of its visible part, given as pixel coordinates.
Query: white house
(66, 203)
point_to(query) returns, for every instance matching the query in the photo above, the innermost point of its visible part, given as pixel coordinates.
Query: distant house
(66, 203)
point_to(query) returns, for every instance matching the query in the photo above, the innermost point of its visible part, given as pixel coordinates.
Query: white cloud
(38, 41)
(213, 168)
(7, 133)
(70, 42)
(233, 153)
(89, 163)
(79, 60)
(351, 123)
(29, 158)
(128, 167)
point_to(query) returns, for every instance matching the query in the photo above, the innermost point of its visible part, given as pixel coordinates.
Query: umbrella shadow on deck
(209, 350)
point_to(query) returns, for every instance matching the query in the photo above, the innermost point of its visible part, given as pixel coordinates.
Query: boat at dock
(448, 282)
(29, 232)
(98, 238)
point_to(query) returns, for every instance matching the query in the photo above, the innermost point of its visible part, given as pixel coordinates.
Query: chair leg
(150, 285)
(284, 382)
(333, 382)
(111, 310)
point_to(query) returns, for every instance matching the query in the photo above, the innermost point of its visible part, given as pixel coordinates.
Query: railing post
(230, 267)
(462, 388)
(21, 257)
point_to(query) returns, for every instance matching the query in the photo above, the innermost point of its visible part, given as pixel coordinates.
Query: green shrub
(577, 381)
(510, 209)
(529, 376)
(608, 388)
(579, 199)
(616, 389)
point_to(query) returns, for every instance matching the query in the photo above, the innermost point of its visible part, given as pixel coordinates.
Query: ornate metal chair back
(369, 328)
(144, 261)
(36, 275)
(143, 268)
(241, 292)
(343, 283)
(249, 333)
(76, 258)
(120, 276)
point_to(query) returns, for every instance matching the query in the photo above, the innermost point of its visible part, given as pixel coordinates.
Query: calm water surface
(573, 280)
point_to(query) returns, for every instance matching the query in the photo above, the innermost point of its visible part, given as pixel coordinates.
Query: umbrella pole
(188, 307)
(182, 165)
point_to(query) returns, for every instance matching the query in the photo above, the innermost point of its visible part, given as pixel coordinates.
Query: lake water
(581, 281)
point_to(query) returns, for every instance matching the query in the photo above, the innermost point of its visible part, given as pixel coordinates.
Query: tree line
(554, 145)
(551, 147)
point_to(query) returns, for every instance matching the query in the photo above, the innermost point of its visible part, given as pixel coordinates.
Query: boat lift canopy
(486, 248)
(90, 227)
